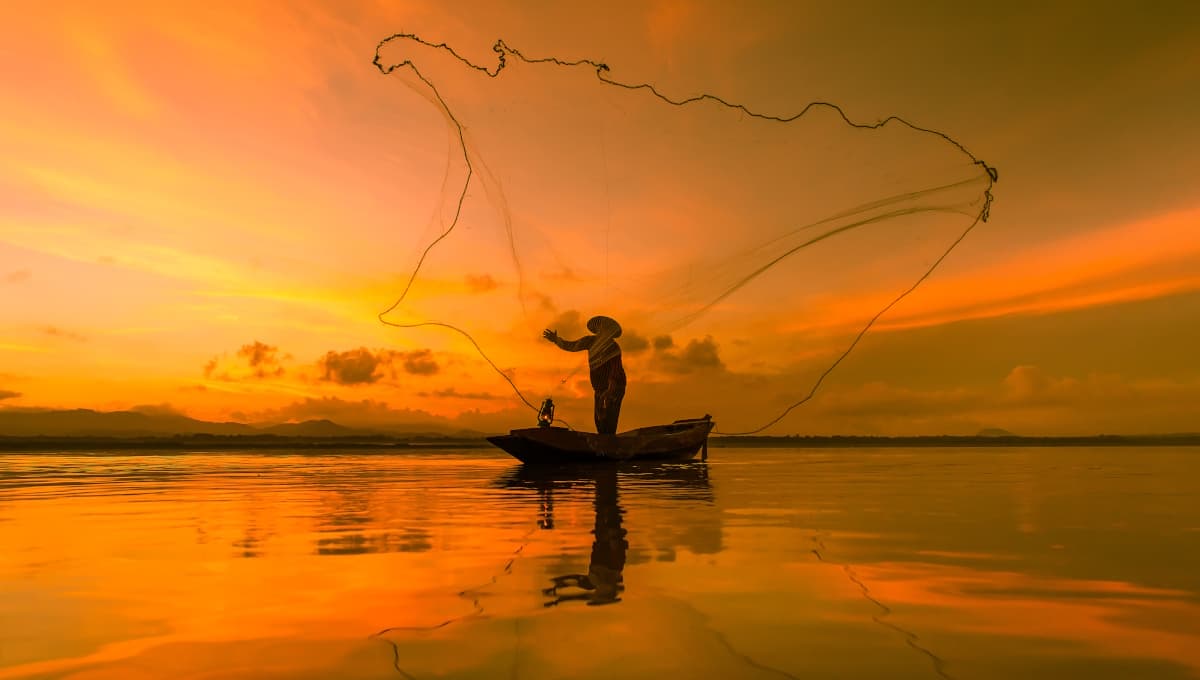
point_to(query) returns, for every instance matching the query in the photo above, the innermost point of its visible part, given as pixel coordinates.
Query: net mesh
(733, 246)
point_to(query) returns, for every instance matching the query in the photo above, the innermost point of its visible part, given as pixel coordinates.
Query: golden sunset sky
(204, 206)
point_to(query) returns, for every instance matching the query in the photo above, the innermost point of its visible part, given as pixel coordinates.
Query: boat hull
(680, 440)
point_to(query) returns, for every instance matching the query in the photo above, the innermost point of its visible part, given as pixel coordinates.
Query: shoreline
(196, 443)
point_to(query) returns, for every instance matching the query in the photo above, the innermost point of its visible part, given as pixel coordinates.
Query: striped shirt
(604, 360)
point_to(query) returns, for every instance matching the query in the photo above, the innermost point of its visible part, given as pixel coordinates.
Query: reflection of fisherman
(603, 580)
(608, 550)
(604, 360)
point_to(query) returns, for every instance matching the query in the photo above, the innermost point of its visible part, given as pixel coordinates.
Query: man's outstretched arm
(569, 345)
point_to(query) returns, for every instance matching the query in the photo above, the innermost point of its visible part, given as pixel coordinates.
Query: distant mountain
(19, 422)
(994, 432)
(312, 428)
(89, 423)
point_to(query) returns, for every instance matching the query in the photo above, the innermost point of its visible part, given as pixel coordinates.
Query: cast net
(744, 253)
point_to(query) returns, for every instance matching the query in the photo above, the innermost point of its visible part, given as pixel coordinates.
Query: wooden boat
(680, 440)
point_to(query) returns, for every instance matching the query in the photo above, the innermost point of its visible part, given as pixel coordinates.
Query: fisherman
(604, 362)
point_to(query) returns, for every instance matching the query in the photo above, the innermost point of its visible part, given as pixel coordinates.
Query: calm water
(1032, 563)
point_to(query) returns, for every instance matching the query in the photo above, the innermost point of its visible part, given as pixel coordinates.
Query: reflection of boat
(680, 440)
(687, 480)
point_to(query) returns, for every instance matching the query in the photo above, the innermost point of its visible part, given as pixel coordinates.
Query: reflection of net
(675, 216)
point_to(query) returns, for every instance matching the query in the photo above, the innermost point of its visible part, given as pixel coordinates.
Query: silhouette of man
(604, 362)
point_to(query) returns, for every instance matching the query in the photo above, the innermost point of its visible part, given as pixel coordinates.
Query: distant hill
(150, 423)
(312, 428)
(994, 432)
(89, 423)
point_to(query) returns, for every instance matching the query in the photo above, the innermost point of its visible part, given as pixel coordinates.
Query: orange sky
(182, 182)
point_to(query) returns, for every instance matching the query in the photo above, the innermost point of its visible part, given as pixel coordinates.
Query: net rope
(860, 215)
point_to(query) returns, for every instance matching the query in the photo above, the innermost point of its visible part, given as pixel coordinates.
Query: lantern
(546, 413)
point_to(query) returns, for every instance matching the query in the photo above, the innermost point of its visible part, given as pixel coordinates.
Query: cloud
(263, 358)
(8, 394)
(18, 276)
(1025, 381)
(1030, 386)
(1149, 258)
(544, 302)
(884, 408)
(563, 274)
(157, 410)
(419, 362)
(256, 360)
(879, 399)
(569, 324)
(362, 366)
(697, 355)
(56, 332)
(1027, 400)
(481, 283)
(353, 367)
(662, 342)
(633, 343)
(701, 353)
(452, 393)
